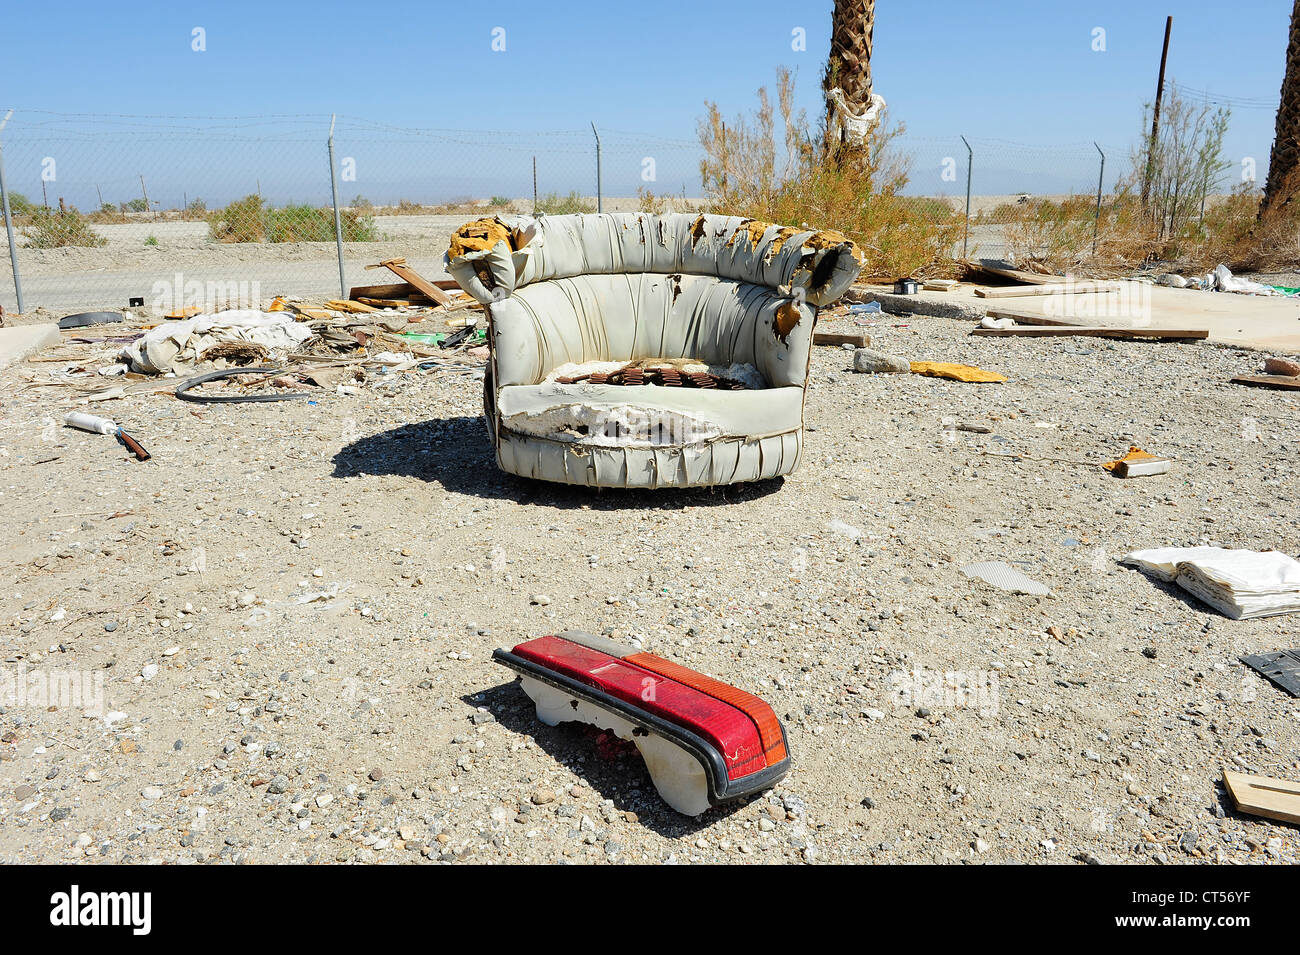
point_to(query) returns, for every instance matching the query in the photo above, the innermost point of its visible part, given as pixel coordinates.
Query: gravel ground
(292, 609)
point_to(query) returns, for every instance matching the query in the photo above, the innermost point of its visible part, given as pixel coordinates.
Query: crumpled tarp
(176, 346)
(1241, 584)
(1222, 280)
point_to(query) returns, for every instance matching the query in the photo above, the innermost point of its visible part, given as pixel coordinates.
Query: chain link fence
(182, 211)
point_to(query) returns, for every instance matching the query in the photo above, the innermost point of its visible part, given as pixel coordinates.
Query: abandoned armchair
(638, 350)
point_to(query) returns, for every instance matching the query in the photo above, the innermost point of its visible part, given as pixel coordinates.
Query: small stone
(541, 797)
(541, 600)
(1281, 366)
(376, 775)
(980, 846)
(869, 361)
(323, 800)
(150, 671)
(60, 813)
(278, 784)
(152, 793)
(110, 625)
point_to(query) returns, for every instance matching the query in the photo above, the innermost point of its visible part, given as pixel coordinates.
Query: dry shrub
(57, 230)
(747, 171)
(247, 220)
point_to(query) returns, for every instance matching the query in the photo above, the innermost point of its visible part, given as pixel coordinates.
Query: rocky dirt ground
(292, 609)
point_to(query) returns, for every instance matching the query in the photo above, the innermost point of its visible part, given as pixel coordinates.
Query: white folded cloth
(1241, 584)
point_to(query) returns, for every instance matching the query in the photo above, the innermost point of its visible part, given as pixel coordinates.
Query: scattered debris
(856, 339)
(1053, 288)
(1264, 796)
(1005, 577)
(1282, 667)
(403, 271)
(84, 319)
(97, 425)
(1240, 584)
(1137, 463)
(1091, 331)
(185, 390)
(1284, 382)
(955, 372)
(178, 346)
(877, 362)
(1288, 367)
(671, 713)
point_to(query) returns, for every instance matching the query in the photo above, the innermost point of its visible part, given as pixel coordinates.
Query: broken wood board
(397, 289)
(1006, 270)
(1268, 381)
(403, 271)
(1264, 796)
(1044, 288)
(1095, 331)
(856, 339)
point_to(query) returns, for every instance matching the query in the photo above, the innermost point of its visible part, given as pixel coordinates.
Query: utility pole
(1149, 173)
(144, 192)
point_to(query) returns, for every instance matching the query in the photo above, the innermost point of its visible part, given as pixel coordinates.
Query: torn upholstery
(655, 292)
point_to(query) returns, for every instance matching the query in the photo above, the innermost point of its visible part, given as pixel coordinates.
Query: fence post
(338, 221)
(9, 221)
(599, 204)
(970, 159)
(1101, 172)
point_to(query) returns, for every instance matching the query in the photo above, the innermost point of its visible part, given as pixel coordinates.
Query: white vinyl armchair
(638, 350)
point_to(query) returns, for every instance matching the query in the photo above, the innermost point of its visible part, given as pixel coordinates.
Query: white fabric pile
(174, 346)
(1241, 584)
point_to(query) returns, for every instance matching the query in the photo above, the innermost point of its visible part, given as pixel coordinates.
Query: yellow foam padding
(944, 369)
(478, 236)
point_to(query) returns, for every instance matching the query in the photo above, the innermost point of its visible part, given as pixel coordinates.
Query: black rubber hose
(183, 390)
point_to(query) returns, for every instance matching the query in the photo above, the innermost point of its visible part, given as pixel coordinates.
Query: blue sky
(999, 72)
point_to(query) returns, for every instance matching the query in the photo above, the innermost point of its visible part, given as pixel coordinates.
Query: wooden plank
(1053, 288)
(1005, 270)
(1268, 381)
(856, 339)
(403, 271)
(1264, 796)
(1024, 318)
(397, 289)
(1094, 331)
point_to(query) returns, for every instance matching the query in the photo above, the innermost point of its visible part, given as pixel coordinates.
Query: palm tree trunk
(849, 66)
(1285, 158)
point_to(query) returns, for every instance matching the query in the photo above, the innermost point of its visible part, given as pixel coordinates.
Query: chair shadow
(620, 776)
(460, 458)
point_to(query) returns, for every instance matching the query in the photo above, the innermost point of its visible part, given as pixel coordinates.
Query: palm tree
(848, 71)
(1284, 160)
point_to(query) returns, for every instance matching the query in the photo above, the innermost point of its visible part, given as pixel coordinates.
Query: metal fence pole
(9, 221)
(1101, 172)
(970, 159)
(338, 221)
(599, 205)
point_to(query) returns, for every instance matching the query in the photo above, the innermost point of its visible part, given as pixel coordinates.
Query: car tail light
(703, 740)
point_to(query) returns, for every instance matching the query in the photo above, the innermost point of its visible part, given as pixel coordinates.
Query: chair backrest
(626, 317)
(510, 252)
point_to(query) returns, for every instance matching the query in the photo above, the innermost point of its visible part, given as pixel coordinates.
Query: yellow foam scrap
(945, 369)
(1134, 454)
(278, 305)
(478, 236)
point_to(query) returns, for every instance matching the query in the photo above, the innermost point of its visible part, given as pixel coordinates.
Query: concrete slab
(18, 342)
(1251, 321)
